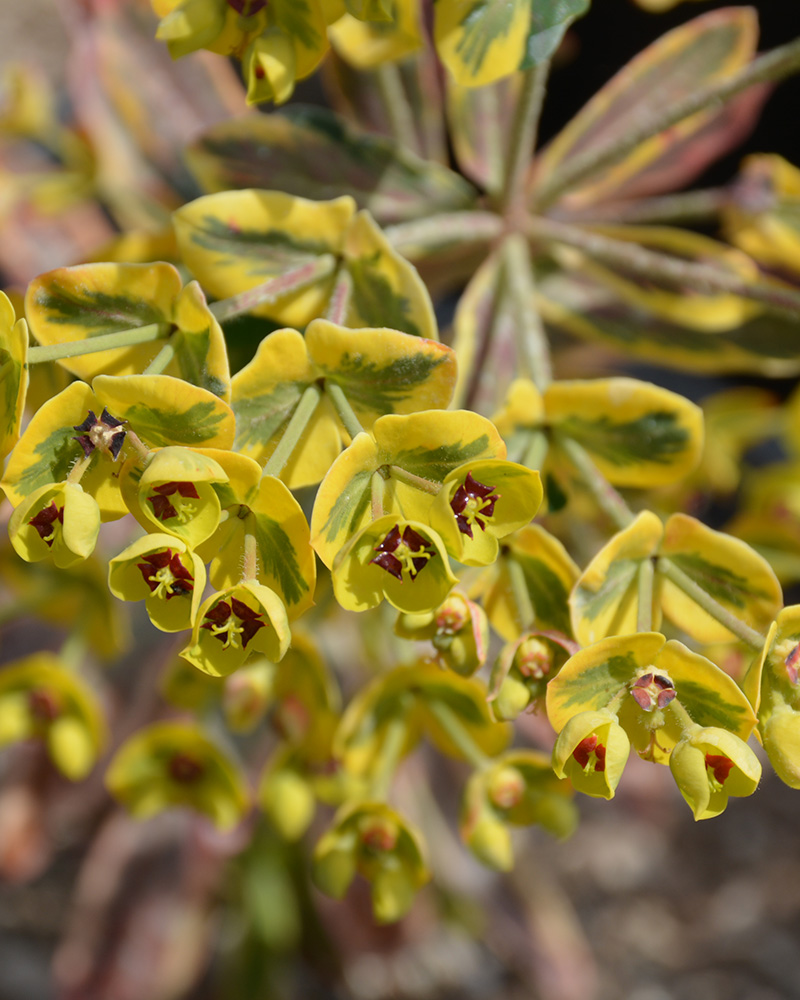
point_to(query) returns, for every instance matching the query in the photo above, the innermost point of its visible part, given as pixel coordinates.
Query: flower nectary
(473, 503)
(165, 508)
(233, 623)
(107, 434)
(165, 575)
(403, 552)
(652, 691)
(45, 522)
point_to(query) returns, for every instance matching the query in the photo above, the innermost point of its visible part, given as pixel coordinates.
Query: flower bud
(512, 699)
(287, 798)
(269, 67)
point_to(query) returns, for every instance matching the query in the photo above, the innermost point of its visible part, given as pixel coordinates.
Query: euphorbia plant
(414, 467)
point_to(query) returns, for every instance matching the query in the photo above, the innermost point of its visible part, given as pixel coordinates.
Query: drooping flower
(58, 521)
(163, 572)
(592, 750)
(402, 561)
(235, 623)
(709, 765)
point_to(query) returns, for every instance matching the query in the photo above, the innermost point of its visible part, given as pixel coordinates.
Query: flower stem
(343, 408)
(76, 472)
(274, 288)
(303, 412)
(440, 230)
(606, 497)
(705, 278)
(250, 563)
(418, 482)
(740, 629)
(458, 733)
(164, 356)
(519, 591)
(339, 301)
(524, 130)
(377, 489)
(103, 342)
(532, 344)
(390, 753)
(644, 614)
(774, 66)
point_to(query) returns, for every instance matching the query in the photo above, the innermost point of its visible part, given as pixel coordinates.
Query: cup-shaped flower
(163, 572)
(269, 67)
(458, 629)
(518, 789)
(59, 522)
(176, 764)
(235, 623)
(372, 840)
(39, 699)
(710, 764)
(189, 25)
(592, 750)
(402, 561)
(780, 734)
(175, 494)
(481, 502)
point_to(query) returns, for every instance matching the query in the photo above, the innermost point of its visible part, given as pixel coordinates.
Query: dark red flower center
(106, 434)
(590, 753)
(43, 705)
(233, 622)
(184, 769)
(720, 766)
(46, 520)
(163, 508)
(652, 691)
(165, 574)
(403, 552)
(247, 8)
(473, 503)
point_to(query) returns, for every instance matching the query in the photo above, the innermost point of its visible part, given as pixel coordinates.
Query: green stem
(740, 629)
(776, 65)
(707, 279)
(524, 130)
(103, 342)
(498, 312)
(250, 563)
(274, 288)
(389, 755)
(606, 497)
(141, 449)
(531, 339)
(644, 614)
(678, 712)
(440, 230)
(519, 590)
(162, 360)
(536, 452)
(377, 486)
(458, 733)
(398, 109)
(76, 472)
(343, 408)
(339, 301)
(418, 482)
(303, 412)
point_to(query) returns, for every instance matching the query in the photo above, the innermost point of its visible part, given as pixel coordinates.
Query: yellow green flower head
(235, 623)
(164, 573)
(458, 629)
(524, 668)
(372, 840)
(40, 699)
(175, 494)
(709, 765)
(59, 522)
(175, 764)
(482, 502)
(592, 750)
(402, 561)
